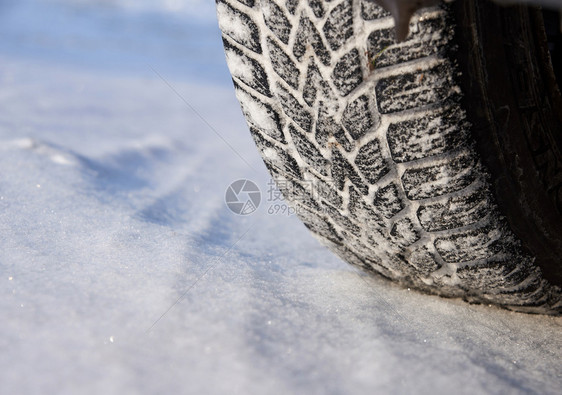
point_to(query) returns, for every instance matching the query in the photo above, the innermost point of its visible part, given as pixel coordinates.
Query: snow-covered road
(122, 271)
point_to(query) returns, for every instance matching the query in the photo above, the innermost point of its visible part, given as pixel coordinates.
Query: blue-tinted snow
(122, 270)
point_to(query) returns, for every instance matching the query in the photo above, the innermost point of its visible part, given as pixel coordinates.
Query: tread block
(416, 89)
(246, 69)
(366, 249)
(341, 220)
(371, 163)
(283, 65)
(437, 180)
(308, 152)
(357, 117)
(275, 158)
(327, 192)
(249, 3)
(370, 11)
(297, 192)
(404, 233)
(343, 170)
(429, 37)
(276, 20)
(495, 274)
(379, 44)
(323, 228)
(455, 212)
(423, 261)
(339, 25)
(376, 266)
(294, 109)
(327, 128)
(315, 85)
(347, 73)
(239, 27)
(353, 258)
(535, 295)
(291, 6)
(317, 8)
(342, 140)
(307, 34)
(260, 115)
(432, 134)
(362, 213)
(482, 243)
(387, 201)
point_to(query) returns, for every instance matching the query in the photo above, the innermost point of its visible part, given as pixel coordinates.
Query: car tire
(378, 147)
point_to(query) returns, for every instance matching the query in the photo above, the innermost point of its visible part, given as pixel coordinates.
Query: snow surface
(123, 271)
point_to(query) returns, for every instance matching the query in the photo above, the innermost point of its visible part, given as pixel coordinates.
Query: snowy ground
(123, 271)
